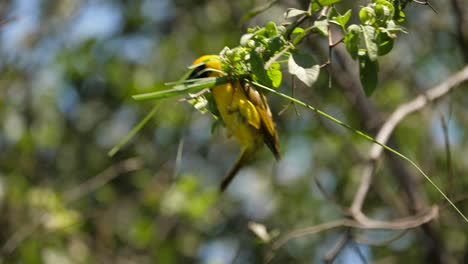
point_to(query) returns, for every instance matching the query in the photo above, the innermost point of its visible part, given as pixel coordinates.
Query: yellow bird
(245, 113)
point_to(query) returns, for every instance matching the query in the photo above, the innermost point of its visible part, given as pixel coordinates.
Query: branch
(331, 255)
(363, 223)
(395, 118)
(102, 178)
(384, 242)
(448, 155)
(414, 197)
(461, 22)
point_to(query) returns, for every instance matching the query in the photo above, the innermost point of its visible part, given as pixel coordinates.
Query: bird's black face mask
(198, 72)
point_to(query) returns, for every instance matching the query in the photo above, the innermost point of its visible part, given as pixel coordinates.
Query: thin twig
(292, 94)
(362, 223)
(102, 178)
(293, 25)
(448, 155)
(325, 64)
(324, 11)
(337, 42)
(286, 107)
(331, 45)
(359, 252)
(277, 56)
(330, 59)
(178, 160)
(329, 197)
(456, 199)
(20, 235)
(331, 255)
(425, 3)
(460, 22)
(384, 242)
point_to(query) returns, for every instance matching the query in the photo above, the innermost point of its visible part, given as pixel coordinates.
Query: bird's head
(206, 66)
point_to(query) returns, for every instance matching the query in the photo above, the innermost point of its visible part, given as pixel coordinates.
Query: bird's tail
(243, 157)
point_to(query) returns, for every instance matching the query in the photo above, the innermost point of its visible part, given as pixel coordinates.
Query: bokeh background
(68, 70)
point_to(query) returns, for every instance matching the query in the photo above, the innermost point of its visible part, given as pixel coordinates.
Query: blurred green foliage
(68, 71)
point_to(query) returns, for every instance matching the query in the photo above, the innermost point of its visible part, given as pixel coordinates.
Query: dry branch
(389, 126)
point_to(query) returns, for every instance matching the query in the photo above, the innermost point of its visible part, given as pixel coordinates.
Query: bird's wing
(267, 126)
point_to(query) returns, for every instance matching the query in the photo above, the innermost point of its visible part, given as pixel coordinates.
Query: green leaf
(298, 30)
(185, 87)
(368, 73)
(399, 16)
(341, 20)
(386, 7)
(321, 26)
(274, 74)
(370, 39)
(134, 130)
(211, 106)
(298, 33)
(271, 29)
(257, 66)
(385, 43)
(304, 68)
(392, 28)
(383, 11)
(318, 4)
(367, 15)
(352, 40)
(274, 45)
(293, 12)
(332, 13)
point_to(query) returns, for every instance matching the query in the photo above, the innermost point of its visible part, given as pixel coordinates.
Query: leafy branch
(257, 59)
